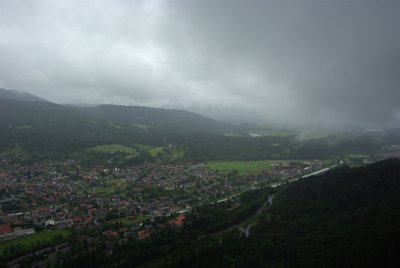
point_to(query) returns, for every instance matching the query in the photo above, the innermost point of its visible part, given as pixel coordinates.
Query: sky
(291, 62)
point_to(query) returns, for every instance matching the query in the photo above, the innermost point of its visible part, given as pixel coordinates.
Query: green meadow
(111, 186)
(270, 132)
(127, 221)
(39, 238)
(244, 167)
(357, 156)
(112, 148)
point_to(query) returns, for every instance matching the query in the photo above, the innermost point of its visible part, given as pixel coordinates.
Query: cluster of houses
(63, 194)
(390, 151)
(60, 195)
(49, 256)
(283, 171)
(170, 177)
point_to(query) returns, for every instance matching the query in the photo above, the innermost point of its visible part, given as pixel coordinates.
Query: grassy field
(126, 221)
(24, 127)
(142, 126)
(142, 147)
(111, 186)
(112, 124)
(112, 148)
(174, 153)
(245, 168)
(33, 239)
(155, 151)
(270, 132)
(356, 156)
(178, 153)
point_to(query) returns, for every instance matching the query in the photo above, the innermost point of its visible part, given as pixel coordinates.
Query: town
(133, 202)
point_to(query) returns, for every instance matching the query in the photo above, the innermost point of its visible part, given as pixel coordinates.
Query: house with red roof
(6, 231)
(143, 234)
(178, 221)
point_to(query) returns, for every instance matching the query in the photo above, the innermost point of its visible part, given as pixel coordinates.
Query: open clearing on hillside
(142, 126)
(32, 240)
(153, 150)
(356, 156)
(270, 132)
(171, 153)
(112, 148)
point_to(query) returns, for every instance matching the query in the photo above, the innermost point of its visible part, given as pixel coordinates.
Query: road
(246, 231)
(321, 171)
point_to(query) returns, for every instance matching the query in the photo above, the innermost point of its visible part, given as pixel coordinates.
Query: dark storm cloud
(298, 62)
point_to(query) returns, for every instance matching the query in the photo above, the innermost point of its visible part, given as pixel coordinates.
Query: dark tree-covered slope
(18, 95)
(44, 127)
(349, 217)
(177, 121)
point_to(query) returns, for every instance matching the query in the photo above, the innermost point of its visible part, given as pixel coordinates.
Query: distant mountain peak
(19, 95)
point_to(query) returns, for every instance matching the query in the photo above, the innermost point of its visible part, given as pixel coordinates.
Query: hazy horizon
(295, 63)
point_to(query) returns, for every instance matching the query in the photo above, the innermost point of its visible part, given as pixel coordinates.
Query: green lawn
(356, 156)
(142, 126)
(245, 168)
(142, 147)
(270, 132)
(155, 151)
(105, 190)
(111, 186)
(33, 239)
(24, 127)
(174, 153)
(112, 124)
(125, 221)
(112, 148)
(178, 153)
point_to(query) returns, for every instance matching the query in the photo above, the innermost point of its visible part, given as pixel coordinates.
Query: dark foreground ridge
(346, 218)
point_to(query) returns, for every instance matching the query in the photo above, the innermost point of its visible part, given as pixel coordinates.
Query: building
(6, 231)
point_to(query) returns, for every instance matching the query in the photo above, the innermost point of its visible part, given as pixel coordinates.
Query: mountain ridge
(20, 95)
(173, 120)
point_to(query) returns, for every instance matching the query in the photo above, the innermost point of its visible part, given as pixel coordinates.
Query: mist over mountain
(156, 117)
(19, 95)
(188, 133)
(300, 63)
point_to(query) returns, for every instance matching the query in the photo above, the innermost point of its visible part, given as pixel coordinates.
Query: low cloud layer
(299, 62)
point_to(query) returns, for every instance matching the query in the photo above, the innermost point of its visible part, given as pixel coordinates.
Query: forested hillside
(42, 129)
(175, 121)
(349, 217)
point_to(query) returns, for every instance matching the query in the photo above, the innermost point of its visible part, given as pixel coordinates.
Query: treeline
(216, 147)
(220, 216)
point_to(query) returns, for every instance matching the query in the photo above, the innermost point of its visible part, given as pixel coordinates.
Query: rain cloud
(296, 62)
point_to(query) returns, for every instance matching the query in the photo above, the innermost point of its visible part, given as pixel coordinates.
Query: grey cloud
(297, 62)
